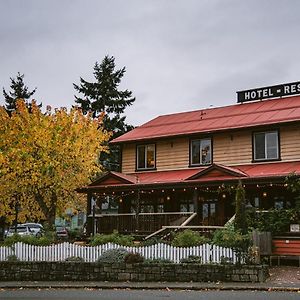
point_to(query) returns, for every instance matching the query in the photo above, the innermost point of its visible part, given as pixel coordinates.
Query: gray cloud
(179, 55)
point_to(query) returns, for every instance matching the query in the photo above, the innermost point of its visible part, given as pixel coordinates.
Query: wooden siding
(128, 158)
(172, 154)
(290, 143)
(229, 148)
(232, 148)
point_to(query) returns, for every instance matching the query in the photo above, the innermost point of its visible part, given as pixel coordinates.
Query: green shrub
(226, 260)
(115, 237)
(275, 220)
(113, 256)
(153, 241)
(50, 235)
(192, 259)
(133, 258)
(231, 238)
(12, 258)
(158, 261)
(188, 238)
(30, 240)
(75, 234)
(74, 259)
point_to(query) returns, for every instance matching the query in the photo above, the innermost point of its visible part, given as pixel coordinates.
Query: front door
(209, 212)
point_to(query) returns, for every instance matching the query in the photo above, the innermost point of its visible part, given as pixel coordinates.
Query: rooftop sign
(274, 91)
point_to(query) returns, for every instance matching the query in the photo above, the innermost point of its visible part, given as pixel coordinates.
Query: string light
(212, 189)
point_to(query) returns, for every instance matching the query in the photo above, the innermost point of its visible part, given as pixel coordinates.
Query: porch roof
(205, 175)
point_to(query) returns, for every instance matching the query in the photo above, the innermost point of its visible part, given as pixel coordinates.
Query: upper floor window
(200, 152)
(145, 157)
(266, 145)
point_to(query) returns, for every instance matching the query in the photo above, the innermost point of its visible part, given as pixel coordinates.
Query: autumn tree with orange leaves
(44, 157)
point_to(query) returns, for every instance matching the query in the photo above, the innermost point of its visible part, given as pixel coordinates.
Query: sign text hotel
(274, 91)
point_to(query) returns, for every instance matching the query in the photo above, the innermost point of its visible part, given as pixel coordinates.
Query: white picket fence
(60, 252)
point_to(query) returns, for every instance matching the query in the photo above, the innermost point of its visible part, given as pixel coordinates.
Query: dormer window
(200, 152)
(266, 145)
(145, 157)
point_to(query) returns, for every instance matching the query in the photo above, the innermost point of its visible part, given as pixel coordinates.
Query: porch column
(195, 200)
(89, 221)
(137, 211)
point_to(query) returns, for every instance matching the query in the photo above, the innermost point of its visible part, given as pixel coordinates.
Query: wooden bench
(286, 248)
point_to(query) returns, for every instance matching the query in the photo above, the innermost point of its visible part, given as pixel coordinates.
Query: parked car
(61, 232)
(37, 228)
(21, 230)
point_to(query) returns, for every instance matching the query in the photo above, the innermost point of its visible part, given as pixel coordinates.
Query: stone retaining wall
(79, 271)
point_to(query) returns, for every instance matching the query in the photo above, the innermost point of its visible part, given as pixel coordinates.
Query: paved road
(82, 294)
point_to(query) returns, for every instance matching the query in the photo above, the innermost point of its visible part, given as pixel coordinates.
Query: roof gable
(114, 178)
(217, 171)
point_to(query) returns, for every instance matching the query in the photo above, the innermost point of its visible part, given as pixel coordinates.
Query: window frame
(254, 159)
(191, 152)
(137, 158)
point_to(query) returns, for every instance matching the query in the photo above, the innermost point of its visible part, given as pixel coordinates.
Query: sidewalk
(281, 279)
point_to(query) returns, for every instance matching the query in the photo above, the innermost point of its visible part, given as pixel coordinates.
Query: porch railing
(146, 223)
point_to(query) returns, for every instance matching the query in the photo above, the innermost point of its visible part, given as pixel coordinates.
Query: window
(200, 152)
(266, 145)
(146, 157)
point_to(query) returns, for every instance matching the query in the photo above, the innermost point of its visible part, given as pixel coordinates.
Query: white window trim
(266, 150)
(137, 157)
(200, 158)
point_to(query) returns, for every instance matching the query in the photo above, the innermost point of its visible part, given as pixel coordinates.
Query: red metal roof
(278, 169)
(245, 172)
(217, 119)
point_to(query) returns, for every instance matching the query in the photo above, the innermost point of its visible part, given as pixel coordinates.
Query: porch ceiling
(211, 175)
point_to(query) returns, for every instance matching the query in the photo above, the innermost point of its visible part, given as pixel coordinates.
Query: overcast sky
(179, 55)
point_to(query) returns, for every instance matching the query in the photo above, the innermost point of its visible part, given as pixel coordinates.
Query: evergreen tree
(103, 96)
(240, 209)
(18, 91)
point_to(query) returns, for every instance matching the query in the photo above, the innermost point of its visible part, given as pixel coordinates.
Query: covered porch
(145, 203)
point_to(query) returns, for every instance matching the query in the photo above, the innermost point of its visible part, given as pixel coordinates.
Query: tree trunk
(49, 212)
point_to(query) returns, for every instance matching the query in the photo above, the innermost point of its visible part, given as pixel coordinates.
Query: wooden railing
(144, 223)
